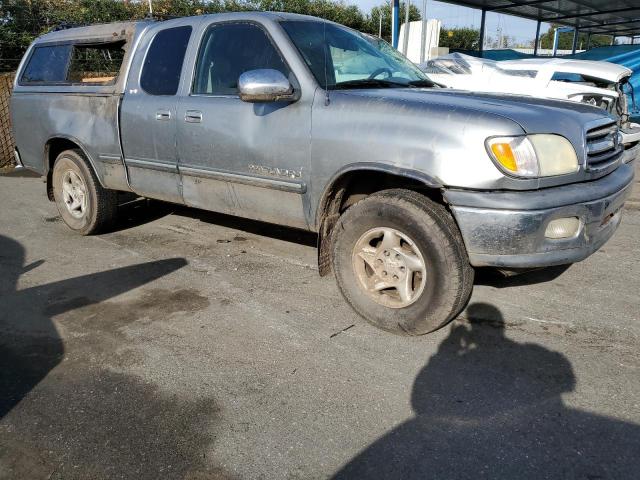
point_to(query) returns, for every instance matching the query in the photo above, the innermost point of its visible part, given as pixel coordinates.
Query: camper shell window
(47, 65)
(74, 64)
(97, 64)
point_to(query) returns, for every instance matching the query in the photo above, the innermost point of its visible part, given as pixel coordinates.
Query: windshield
(459, 64)
(343, 58)
(450, 66)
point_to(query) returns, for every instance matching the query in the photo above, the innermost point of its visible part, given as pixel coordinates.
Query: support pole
(556, 36)
(576, 34)
(482, 25)
(405, 46)
(423, 33)
(535, 45)
(588, 41)
(395, 22)
(380, 26)
(613, 40)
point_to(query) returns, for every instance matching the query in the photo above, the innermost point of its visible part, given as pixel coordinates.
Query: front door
(148, 115)
(247, 159)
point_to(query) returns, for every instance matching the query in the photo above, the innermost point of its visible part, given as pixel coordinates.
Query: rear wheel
(84, 205)
(400, 262)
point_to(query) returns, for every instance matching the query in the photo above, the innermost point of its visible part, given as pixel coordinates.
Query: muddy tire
(400, 262)
(84, 205)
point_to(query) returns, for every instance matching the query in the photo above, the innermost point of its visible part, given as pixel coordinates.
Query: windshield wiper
(368, 83)
(380, 83)
(422, 83)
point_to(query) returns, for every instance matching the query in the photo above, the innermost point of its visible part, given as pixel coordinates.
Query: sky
(521, 29)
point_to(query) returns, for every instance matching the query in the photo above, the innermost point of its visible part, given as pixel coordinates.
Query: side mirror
(264, 85)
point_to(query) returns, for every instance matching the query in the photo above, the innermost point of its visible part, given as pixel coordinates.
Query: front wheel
(400, 262)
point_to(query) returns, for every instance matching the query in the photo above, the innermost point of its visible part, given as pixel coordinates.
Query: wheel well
(53, 148)
(349, 189)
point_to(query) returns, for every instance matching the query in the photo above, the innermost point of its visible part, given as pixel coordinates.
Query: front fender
(348, 170)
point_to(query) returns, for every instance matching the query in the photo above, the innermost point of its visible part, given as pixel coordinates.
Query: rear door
(148, 113)
(247, 159)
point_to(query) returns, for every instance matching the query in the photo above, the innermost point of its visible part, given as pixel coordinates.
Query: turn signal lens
(515, 155)
(562, 228)
(504, 155)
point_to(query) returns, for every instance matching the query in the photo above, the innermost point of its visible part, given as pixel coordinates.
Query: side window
(96, 64)
(567, 77)
(47, 64)
(163, 63)
(227, 51)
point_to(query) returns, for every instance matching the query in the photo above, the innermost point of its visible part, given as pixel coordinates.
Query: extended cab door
(247, 159)
(148, 113)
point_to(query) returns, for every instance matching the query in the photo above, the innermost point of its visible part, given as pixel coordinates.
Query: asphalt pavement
(190, 345)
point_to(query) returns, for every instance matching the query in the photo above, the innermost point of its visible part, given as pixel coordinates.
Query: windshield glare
(340, 57)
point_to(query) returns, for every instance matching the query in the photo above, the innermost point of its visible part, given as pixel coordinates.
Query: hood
(534, 115)
(601, 70)
(590, 68)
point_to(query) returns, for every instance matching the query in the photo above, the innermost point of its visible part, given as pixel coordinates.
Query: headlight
(530, 156)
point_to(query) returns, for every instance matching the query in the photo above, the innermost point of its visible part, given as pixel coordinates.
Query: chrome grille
(603, 147)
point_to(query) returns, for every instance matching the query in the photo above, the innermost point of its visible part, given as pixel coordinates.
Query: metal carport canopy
(607, 17)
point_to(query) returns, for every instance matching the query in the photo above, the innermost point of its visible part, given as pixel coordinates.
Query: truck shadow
(277, 232)
(488, 407)
(133, 212)
(493, 278)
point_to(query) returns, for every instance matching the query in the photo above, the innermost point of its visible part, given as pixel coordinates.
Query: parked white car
(593, 82)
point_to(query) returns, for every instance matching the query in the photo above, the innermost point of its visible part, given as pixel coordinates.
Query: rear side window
(47, 64)
(163, 63)
(96, 64)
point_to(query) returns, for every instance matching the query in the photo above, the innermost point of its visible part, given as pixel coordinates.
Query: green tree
(565, 40)
(23, 20)
(384, 11)
(460, 38)
(337, 11)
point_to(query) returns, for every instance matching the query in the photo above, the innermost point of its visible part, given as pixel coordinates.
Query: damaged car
(597, 83)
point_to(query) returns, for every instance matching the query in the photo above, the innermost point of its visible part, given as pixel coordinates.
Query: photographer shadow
(30, 345)
(488, 407)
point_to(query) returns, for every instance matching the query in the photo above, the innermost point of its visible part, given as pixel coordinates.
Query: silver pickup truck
(301, 122)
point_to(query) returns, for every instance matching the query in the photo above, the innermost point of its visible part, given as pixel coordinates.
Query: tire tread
(443, 226)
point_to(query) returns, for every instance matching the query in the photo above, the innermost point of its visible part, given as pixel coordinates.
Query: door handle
(163, 115)
(193, 116)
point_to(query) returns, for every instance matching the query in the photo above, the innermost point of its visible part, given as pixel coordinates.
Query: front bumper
(507, 229)
(631, 142)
